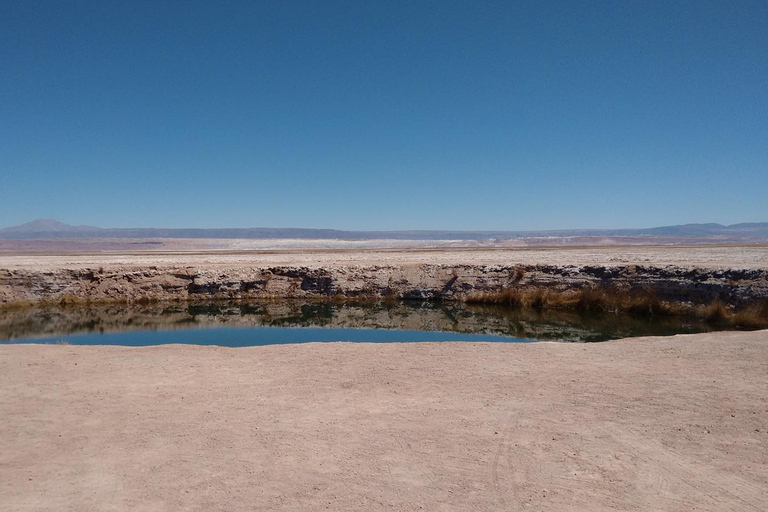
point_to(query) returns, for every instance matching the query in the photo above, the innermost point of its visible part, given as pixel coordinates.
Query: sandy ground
(677, 423)
(701, 256)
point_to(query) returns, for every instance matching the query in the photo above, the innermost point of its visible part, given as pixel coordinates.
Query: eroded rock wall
(431, 282)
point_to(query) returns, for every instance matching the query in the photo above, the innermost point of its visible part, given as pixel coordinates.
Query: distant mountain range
(48, 228)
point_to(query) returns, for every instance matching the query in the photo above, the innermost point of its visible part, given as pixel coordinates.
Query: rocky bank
(735, 287)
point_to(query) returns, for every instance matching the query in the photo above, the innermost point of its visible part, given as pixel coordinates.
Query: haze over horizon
(454, 115)
(44, 225)
(50, 228)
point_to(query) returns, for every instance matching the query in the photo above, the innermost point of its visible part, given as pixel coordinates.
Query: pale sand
(677, 423)
(701, 256)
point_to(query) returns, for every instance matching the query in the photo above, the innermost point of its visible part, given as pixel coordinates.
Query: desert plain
(662, 423)
(58, 254)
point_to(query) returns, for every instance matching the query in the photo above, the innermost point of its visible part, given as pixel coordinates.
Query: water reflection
(51, 321)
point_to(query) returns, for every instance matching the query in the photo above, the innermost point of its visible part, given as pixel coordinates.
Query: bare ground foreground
(677, 423)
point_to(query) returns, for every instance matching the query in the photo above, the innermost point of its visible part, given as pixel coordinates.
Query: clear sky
(384, 115)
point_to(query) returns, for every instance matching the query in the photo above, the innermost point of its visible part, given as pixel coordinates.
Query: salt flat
(275, 254)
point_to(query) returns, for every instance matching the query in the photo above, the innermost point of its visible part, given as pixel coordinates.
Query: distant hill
(48, 228)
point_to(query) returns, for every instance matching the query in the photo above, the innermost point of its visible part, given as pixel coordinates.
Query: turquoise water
(258, 336)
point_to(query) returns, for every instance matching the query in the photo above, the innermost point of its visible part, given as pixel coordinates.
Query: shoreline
(451, 317)
(727, 286)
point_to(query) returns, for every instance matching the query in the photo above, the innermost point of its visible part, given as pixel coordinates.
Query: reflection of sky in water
(255, 336)
(285, 321)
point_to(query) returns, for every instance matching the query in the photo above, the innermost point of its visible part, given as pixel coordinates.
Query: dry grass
(538, 298)
(610, 300)
(751, 317)
(714, 312)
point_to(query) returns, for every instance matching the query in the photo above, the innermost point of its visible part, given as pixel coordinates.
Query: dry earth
(678, 423)
(734, 275)
(275, 254)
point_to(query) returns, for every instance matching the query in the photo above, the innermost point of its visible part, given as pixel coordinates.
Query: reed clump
(715, 312)
(752, 317)
(538, 298)
(612, 300)
(640, 302)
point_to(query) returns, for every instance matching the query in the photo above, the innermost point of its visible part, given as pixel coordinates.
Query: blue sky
(384, 115)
